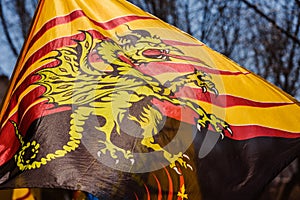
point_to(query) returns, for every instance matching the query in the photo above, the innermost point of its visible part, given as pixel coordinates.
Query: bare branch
(6, 32)
(273, 22)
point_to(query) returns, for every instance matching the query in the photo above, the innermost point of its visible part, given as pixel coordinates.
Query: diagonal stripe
(182, 182)
(180, 43)
(156, 68)
(53, 45)
(226, 101)
(170, 194)
(252, 131)
(111, 24)
(159, 195)
(240, 132)
(136, 196)
(148, 192)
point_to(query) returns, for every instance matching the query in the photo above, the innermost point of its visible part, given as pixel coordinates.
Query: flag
(110, 100)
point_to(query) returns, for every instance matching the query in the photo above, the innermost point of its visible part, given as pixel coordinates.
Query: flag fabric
(108, 99)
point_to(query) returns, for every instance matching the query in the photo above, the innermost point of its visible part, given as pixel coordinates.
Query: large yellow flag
(108, 99)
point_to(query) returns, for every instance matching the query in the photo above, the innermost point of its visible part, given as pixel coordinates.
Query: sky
(6, 65)
(7, 58)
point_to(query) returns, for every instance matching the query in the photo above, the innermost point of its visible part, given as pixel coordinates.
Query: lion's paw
(181, 161)
(204, 81)
(114, 152)
(219, 125)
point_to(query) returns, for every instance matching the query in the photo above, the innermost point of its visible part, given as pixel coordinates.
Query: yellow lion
(111, 93)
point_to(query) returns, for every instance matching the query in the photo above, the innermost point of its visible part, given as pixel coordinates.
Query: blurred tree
(275, 43)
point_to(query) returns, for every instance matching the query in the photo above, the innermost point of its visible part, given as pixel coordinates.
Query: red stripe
(40, 110)
(156, 68)
(29, 98)
(240, 132)
(136, 196)
(225, 101)
(25, 196)
(179, 43)
(159, 195)
(252, 131)
(55, 22)
(113, 23)
(148, 192)
(56, 44)
(170, 195)
(181, 178)
(9, 143)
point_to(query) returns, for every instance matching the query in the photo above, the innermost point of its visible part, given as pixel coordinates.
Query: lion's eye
(199, 77)
(152, 44)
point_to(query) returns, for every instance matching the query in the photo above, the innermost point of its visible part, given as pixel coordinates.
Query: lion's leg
(204, 120)
(109, 147)
(200, 79)
(107, 129)
(149, 126)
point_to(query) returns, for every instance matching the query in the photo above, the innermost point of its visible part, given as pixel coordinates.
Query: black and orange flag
(110, 100)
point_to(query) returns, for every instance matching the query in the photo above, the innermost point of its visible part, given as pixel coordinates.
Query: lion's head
(142, 47)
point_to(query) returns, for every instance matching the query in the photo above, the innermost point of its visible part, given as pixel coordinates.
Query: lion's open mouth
(156, 53)
(165, 55)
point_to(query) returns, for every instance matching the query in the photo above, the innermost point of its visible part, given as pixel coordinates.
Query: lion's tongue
(152, 53)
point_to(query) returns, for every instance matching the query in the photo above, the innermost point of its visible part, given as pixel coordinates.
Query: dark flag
(110, 100)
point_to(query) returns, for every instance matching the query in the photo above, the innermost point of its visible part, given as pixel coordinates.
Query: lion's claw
(186, 156)
(132, 161)
(199, 127)
(229, 130)
(203, 80)
(215, 91)
(219, 125)
(222, 135)
(112, 150)
(182, 163)
(177, 171)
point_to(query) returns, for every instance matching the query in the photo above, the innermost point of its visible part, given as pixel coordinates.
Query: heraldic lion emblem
(110, 94)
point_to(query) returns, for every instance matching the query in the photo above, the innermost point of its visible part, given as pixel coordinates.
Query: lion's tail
(75, 135)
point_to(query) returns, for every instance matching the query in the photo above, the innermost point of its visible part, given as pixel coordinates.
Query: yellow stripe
(35, 66)
(281, 117)
(73, 28)
(62, 8)
(251, 87)
(247, 87)
(15, 109)
(29, 107)
(223, 63)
